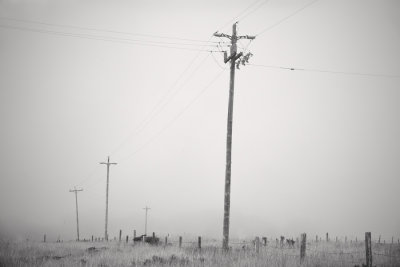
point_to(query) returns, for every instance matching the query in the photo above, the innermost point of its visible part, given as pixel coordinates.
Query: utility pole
(76, 202)
(108, 163)
(145, 221)
(232, 58)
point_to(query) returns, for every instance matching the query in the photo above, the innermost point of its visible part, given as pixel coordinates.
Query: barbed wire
(385, 255)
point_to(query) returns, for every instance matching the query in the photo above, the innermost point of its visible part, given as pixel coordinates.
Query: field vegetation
(114, 253)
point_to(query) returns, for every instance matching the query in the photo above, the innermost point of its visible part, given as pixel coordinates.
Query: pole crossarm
(217, 34)
(246, 37)
(233, 56)
(76, 190)
(108, 163)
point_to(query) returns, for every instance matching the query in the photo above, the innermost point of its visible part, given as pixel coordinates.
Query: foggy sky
(313, 152)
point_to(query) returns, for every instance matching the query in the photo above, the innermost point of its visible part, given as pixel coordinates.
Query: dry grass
(115, 254)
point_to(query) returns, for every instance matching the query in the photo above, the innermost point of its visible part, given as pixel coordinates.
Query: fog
(315, 149)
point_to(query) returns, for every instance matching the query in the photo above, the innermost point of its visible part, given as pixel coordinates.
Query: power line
(146, 120)
(104, 30)
(251, 12)
(237, 16)
(215, 60)
(327, 71)
(156, 110)
(159, 106)
(112, 39)
(89, 176)
(93, 183)
(171, 122)
(104, 37)
(286, 18)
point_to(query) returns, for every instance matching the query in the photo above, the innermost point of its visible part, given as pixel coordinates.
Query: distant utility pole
(108, 163)
(145, 221)
(232, 58)
(76, 202)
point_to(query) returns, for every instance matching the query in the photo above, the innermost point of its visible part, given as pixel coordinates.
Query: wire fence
(339, 252)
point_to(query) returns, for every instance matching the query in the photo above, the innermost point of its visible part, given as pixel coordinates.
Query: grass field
(113, 253)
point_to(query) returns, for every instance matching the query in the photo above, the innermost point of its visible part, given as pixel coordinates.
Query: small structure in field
(152, 240)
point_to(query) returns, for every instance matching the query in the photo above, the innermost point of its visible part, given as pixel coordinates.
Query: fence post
(180, 242)
(379, 240)
(120, 233)
(199, 242)
(92, 238)
(264, 241)
(368, 252)
(44, 238)
(154, 235)
(127, 239)
(327, 237)
(166, 241)
(257, 244)
(303, 247)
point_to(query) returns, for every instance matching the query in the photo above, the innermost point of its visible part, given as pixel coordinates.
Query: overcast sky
(313, 151)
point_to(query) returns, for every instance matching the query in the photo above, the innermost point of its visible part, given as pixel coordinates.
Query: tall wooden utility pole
(233, 57)
(108, 163)
(145, 221)
(76, 203)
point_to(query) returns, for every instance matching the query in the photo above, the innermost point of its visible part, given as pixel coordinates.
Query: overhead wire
(114, 39)
(104, 30)
(91, 185)
(155, 108)
(327, 71)
(237, 16)
(147, 121)
(286, 18)
(160, 106)
(174, 119)
(165, 37)
(88, 177)
(254, 10)
(216, 61)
